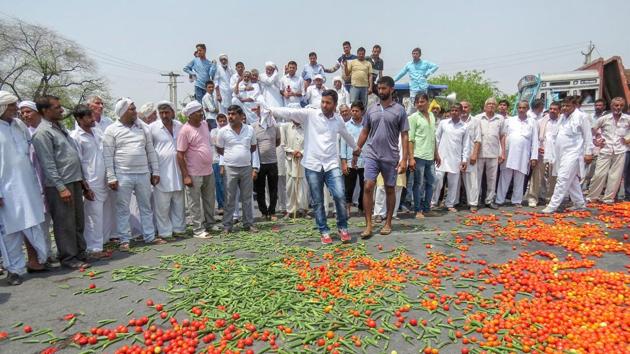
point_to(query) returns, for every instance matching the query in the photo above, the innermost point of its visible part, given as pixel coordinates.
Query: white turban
(28, 104)
(6, 98)
(337, 78)
(161, 103)
(122, 105)
(223, 55)
(269, 63)
(191, 108)
(147, 109)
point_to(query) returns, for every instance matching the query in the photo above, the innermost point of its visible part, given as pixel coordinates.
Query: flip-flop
(365, 234)
(386, 231)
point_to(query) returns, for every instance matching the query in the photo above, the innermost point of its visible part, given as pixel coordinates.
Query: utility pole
(589, 51)
(172, 87)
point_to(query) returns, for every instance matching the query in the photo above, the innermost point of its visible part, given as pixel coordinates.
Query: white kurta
(270, 86)
(550, 127)
(222, 80)
(19, 189)
(521, 143)
(572, 141)
(165, 146)
(452, 144)
(90, 149)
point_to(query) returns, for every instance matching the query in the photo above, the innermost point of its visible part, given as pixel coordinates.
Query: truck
(599, 79)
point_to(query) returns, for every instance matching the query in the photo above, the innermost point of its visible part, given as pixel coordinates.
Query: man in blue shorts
(384, 124)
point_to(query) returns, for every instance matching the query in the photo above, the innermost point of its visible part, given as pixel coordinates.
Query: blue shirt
(309, 71)
(418, 73)
(345, 151)
(203, 69)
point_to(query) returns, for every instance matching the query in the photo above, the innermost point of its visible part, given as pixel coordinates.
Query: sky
(134, 41)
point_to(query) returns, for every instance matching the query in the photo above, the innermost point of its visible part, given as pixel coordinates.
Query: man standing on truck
(419, 70)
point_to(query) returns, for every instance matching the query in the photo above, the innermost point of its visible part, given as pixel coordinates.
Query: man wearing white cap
(21, 207)
(95, 103)
(222, 83)
(342, 93)
(147, 113)
(98, 218)
(270, 84)
(64, 182)
(194, 157)
(168, 195)
(132, 166)
(32, 118)
(314, 92)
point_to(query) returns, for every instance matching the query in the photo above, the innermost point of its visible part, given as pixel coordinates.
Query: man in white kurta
(573, 149)
(21, 205)
(313, 94)
(32, 118)
(469, 176)
(293, 143)
(168, 195)
(98, 218)
(453, 148)
(521, 143)
(269, 82)
(547, 129)
(222, 81)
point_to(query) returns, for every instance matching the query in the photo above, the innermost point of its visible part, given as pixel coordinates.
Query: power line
(520, 58)
(565, 47)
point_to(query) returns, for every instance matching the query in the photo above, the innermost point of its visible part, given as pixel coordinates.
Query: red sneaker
(326, 239)
(344, 235)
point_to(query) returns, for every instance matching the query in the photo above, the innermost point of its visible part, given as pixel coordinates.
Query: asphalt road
(43, 299)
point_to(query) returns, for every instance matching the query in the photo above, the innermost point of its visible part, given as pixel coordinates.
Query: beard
(384, 96)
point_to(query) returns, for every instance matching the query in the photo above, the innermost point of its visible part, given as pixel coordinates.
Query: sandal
(158, 241)
(366, 234)
(386, 230)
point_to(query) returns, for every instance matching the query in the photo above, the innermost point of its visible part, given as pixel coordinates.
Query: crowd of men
(292, 144)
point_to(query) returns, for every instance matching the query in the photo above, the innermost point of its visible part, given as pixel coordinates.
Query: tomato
(371, 323)
(92, 286)
(413, 322)
(149, 302)
(159, 307)
(28, 329)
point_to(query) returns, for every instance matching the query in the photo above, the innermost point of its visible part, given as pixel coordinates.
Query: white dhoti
(504, 184)
(380, 201)
(297, 191)
(169, 212)
(12, 248)
(452, 188)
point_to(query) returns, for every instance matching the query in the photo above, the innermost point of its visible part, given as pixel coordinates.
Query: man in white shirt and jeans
(132, 166)
(321, 158)
(236, 143)
(168, 195)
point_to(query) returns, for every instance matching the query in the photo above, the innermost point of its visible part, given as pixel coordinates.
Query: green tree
(37, 61)
(472, 86)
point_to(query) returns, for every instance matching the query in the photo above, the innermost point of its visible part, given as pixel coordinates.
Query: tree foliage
(471, 86)
(37, 61)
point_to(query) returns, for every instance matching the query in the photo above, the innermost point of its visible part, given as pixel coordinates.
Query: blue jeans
(334, 181)
(218, 185)
(199, 92)
(140, 184)
(423, 181)
(359, 94)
